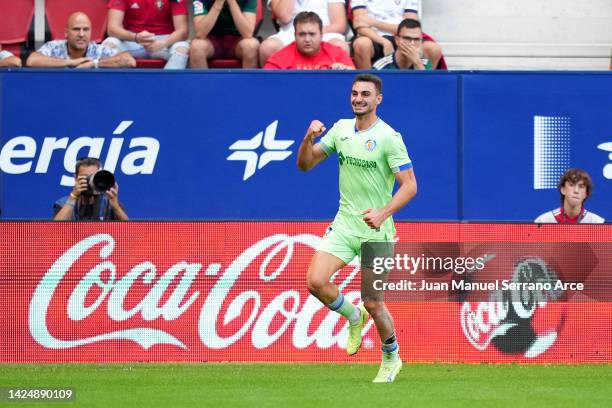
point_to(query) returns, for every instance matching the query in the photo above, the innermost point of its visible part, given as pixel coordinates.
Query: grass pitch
(315, 385)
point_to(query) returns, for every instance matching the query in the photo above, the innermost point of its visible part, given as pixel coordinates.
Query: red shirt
(290, 58)
(154, 16)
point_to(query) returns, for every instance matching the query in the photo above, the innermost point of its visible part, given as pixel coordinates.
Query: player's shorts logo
(370, 145)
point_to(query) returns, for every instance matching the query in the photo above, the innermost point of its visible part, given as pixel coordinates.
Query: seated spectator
(331, 12)
(376, 21)
(308, 51)
(8, 60)
(409, 53)
(85, 204)
(224, 29)
(77, 50)
(150, 29)
(575, 186)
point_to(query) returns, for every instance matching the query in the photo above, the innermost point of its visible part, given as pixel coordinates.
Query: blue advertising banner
(212, 145)
(523, 130)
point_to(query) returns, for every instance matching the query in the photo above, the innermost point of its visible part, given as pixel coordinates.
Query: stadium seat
(15, 21)
(150, 63)
(57, 12)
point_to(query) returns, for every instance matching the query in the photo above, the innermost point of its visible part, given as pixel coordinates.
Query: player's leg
(322, 267)
(363, 51)
(373, 301)
(178, 55)
(270, 46)
(200, 51)
(247, 52)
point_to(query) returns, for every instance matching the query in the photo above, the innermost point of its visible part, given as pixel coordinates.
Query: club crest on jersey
(370, 145)
(198, 7)
(159, 4)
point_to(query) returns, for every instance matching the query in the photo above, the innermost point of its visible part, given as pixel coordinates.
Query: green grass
(316, 385)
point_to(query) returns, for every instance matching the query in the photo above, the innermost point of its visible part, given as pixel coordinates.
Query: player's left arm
(406, 179)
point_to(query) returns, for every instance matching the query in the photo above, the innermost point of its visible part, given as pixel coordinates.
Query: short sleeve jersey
(155, 16)
(387, 11)
(58, 49)
(368, 162)
(321, 7)
(225, 23)
(290, 58)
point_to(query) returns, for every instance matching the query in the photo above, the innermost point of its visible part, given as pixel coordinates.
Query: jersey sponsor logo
(246, 150)
(370, 145)
(19, 154)
(198, 7)
(354, 161)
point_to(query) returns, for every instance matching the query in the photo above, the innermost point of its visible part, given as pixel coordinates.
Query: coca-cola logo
(171, 295)
(505, 320)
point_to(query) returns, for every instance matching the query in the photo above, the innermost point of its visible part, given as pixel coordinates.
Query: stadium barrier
(235, 291)
(485, 146)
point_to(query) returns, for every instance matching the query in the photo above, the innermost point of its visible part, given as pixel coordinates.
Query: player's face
(78, 33)
(308, 38)
(364, 98)
(574, 193)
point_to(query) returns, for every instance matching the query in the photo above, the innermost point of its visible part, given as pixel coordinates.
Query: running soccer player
(371, 156)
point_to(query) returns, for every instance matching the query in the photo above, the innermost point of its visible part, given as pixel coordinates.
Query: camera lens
(102, 181)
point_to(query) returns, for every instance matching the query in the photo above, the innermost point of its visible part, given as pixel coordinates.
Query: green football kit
(368, 162)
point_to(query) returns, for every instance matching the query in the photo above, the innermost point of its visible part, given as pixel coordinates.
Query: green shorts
(344, 245)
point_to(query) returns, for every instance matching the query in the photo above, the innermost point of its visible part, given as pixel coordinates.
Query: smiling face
(78, 32)
(364, 98)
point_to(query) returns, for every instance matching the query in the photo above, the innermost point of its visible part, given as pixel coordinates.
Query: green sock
(345, 308)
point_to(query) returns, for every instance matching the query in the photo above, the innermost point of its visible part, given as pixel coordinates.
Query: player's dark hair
(307, 17)
(87, 161)
(575, 176)
(369, 78)
(409, 23)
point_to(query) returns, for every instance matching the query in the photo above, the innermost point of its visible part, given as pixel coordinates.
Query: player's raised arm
(310, 154)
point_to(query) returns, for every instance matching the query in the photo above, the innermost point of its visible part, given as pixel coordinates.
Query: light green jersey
(368, 162)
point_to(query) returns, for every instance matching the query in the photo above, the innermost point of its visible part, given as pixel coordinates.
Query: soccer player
(371, 156)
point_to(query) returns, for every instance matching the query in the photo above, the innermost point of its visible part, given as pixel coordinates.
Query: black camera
(99, 182)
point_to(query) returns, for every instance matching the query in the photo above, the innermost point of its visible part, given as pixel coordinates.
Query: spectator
(575, 186)
(224, 29)
(376, 22)
(82, 204)
(8, 60)
(409, 52)
(308, 51)
(331, 12)
(150, 29)
(77, 50)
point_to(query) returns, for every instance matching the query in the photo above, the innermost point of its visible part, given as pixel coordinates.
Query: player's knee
(269, 47)
(362, 45)
(199, 47)
(374, 307)
(315, 284)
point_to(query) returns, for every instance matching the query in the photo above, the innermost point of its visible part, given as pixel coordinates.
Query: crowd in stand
(312, 34)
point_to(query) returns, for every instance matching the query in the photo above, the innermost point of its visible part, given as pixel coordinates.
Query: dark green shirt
(225, 23)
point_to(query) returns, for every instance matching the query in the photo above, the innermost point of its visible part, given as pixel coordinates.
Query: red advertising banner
(236, 291)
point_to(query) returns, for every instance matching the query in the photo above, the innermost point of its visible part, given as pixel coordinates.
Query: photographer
(87, 201)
